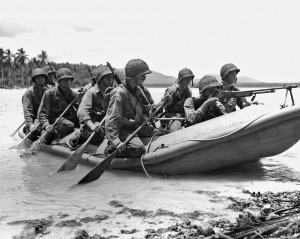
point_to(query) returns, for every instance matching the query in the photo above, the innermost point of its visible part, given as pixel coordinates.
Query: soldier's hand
(121, 147)
(231, 102)
(211, 101)
(49, 128)
(32, 127)
(96, 128)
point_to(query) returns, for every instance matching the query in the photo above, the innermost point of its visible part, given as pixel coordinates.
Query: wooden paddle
(37, 144)
(73, 160)
(13, 133)
(22, 144)
(99, 169)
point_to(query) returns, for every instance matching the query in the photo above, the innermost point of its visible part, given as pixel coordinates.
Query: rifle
(247, 93)
(35, 61)
(53, 72)
(93, 77)
(116, 77)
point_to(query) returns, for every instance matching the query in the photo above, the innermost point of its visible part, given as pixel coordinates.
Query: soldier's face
(105, 82)
(65, 82)
(210, 91)
(231, 77)
(185, 82)
(40, 80)
(140, 80)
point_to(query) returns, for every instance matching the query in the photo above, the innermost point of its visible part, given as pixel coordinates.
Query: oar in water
(13, 133)
(73, 160)
(22, 144)
(99, 169)
(37, 144)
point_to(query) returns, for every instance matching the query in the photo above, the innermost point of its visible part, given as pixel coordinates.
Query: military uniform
(93, 107)
(54, 102)
(176, 109)
(230, 103)
(194, 113)
(31, 101)
(126, 105)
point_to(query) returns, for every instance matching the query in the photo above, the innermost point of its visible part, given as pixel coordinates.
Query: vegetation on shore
(16, 69)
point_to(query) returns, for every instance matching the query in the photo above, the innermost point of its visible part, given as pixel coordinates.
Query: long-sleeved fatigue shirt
(239, 101)
(194, 117)
(54, 102)
(92, 105)
(124, 104)
(31, 101)
(178, 99)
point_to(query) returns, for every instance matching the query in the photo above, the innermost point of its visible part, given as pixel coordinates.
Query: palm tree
(16, 68)
(8, 62)
(2, 57)
(43, 57)
(21, 59)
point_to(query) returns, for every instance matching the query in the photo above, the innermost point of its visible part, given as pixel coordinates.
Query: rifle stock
(247, 93)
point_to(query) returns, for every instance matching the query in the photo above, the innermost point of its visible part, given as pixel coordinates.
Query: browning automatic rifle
(246, 93)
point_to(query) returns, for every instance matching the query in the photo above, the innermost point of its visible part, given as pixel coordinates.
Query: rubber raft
(242, 136)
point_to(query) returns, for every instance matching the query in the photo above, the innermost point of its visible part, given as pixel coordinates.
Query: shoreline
(242, 215)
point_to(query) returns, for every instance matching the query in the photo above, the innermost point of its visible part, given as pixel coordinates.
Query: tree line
(16, 68)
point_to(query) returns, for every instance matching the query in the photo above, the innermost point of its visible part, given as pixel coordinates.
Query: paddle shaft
(73, 160)
(99, 169)
(179, 118)
(26, 137)
(13, 134)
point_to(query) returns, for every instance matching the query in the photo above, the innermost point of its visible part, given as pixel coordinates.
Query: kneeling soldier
(54, 102)
(206, 106)
(92, 110)
(31, 101)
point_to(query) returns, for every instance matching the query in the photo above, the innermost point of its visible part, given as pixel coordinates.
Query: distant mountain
(156, 79)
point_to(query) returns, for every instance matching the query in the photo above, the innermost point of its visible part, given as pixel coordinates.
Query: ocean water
(30, 189)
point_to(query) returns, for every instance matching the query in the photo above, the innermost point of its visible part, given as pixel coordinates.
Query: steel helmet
(228, 68)
(185, 72)
(135, 68)
(100, 72)
(63, 73)
(48, 70)
(38, 72)
(207, 82)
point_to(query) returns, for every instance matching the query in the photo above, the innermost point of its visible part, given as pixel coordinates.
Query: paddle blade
(98, 170)
(72, 161)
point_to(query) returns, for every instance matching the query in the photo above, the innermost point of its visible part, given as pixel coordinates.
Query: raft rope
(142, 157)
(165, 145)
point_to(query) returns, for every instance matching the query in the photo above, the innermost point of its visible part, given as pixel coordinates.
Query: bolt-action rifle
(247, 93)
(53, 72)
(116, 77)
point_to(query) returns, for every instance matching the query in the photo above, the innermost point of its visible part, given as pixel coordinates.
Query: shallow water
(31, 190)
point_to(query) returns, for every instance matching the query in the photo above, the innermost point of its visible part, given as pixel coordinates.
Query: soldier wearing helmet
(206, 106)
(31, 101)
(126, 112)
(92, 110)
(51, 75)
(54, 102)
(228, 74)
(179, 92)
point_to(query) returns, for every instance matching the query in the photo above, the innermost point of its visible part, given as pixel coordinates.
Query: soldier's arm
(44, 109)
(28, 109)
(114, 118)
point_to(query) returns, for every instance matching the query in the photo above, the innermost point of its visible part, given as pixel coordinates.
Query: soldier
(31, 101)
(179, 92)
(92, 108)
(228, 74)
(125, 112)
(51, 75)
(54, 102)
(206, 106)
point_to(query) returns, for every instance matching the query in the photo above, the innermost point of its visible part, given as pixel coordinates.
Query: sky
(261, 37)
